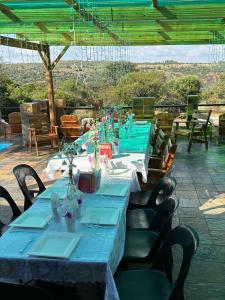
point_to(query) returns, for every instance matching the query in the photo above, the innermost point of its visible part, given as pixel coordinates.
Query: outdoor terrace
(201, 191)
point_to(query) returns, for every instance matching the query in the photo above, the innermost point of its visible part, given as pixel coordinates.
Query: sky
(138, 54)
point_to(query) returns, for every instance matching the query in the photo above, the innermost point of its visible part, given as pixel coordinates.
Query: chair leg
(206, 140)
(36, 147)
(190, 144)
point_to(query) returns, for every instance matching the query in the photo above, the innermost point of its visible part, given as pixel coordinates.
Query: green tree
(183, 86)
(141, 84)
(114, 71)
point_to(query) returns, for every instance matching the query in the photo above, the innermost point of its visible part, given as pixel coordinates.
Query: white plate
(32, 219)
(100, 216)
(120, 173)
(114, 189)
(141, 122)
(55, 244)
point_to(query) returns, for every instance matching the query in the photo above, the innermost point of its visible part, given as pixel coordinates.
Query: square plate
(100, 216)
(55, 244)
(114, 189)
(32, 219)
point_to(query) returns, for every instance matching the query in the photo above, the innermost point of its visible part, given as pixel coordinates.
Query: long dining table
(96, 256)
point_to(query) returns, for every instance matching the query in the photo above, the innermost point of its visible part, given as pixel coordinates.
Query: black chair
(142, 245)
(15, 210)
(23, 291)
(22, 172)
(154, 283)
(137, 217)
(147, 199)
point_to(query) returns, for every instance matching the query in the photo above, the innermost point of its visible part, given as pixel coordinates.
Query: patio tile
(216, 224)
(190, 212)
(200, 225)
(218, 237)
(185, 187)
(187, 194)
(188, 202)
(204, 291)
(205, 271)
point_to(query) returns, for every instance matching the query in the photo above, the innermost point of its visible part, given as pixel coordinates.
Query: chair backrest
(14, 118)
(187, 238)
(162, 190)
(161, 221)
(40, 122)
(169, 157)
(192, 105)
(15, 122)
(165, 121)
(23, 291)
(161, 142)
(143, 107)
(5, 195)
(69, 120)
(21, 172)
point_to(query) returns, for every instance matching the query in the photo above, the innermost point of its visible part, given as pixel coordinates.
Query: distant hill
(22, 73)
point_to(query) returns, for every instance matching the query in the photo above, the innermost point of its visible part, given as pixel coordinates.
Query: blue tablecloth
(95, 258)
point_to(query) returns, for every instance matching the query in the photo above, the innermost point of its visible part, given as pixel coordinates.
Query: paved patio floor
(201, 191)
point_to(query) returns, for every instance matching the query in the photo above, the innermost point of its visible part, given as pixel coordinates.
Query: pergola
(38, 24)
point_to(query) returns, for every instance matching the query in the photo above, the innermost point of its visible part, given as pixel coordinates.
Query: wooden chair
(14, 125)
(164, 121)
(41, 132)
(198, 131)
(159, 143)
(159, 167)
(69, 120)
(70, 127)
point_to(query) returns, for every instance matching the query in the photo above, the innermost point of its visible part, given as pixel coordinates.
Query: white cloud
(196, 53)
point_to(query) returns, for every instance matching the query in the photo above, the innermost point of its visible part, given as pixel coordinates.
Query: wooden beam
(97, 22)
(155, 3)
(59, 56)
(8, 13)
(49, 78)
(164, 35)
(43, 59)
(11, 42)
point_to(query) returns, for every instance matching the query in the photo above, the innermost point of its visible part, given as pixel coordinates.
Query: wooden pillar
(49, 78)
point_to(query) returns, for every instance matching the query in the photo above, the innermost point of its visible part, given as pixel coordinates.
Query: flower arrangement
(69, 151)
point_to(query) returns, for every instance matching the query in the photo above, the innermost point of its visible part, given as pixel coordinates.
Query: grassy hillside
(33, 73)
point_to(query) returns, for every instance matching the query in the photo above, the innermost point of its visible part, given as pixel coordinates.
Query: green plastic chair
(143, 205)
(154, 284)
(141, 246)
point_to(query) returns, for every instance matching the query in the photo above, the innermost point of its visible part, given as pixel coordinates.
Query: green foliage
(141, 84)
(183, 86)
(216, 93)
(73, 92)
(114, 71)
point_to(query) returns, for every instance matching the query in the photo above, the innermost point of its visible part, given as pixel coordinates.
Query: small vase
(97, 179)
(79, 211)
(70, 223)
(116, 148)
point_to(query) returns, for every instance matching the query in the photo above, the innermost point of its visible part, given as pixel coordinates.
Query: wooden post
(49, 78)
